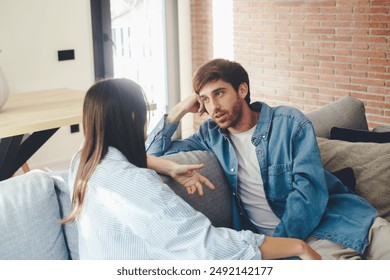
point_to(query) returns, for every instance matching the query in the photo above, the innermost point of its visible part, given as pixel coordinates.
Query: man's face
(222, 103)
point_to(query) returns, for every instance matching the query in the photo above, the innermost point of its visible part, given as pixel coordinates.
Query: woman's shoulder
(119, 167)
(115, 168)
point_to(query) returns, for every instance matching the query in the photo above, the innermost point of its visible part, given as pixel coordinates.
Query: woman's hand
(281, 247)
(184, 174)
(309, 254)
(189, 178)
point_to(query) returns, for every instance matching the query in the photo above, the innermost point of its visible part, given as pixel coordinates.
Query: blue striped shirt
(129, 213)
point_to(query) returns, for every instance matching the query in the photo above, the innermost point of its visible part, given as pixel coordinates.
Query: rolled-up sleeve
(159, 139)
(160, 142)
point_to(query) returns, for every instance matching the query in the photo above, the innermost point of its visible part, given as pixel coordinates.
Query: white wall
(31, 33)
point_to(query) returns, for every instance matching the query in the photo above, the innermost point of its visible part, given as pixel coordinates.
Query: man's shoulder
(281, 110)
(289, 112)
(284, 109)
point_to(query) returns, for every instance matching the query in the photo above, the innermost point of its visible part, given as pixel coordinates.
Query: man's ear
(243, 90)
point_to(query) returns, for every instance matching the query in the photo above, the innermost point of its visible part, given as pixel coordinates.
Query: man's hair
(221, 69)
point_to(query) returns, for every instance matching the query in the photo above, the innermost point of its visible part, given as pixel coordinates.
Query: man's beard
(226, 119)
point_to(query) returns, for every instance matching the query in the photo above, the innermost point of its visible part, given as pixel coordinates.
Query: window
(130, 42)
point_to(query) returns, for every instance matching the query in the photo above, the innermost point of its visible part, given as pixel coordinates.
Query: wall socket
(74, 128)
(65, 55)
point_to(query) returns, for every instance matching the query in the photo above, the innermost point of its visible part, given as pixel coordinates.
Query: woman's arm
(184, 174)
(279, 247)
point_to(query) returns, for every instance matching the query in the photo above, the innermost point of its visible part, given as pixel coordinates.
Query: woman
(125, 211)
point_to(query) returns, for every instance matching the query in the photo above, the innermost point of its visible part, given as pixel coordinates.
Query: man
(272, 162)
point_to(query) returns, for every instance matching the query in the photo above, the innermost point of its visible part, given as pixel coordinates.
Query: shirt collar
(115, 154)
(263, 124)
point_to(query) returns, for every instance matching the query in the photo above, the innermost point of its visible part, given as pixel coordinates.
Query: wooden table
(37, 115)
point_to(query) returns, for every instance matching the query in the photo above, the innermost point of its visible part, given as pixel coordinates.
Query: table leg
(14, 153)
(9, 147)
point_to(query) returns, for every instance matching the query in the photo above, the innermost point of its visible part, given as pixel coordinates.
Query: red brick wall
(308, 53)
(202, 31)
(202, 37)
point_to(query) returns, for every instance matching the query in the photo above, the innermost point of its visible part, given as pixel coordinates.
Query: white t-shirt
(250, 184)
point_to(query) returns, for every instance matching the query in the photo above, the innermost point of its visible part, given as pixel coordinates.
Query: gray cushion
(382, 128)
(29, 213)
(347, 112)
(70, 229)
(371, 165)
(215, 204)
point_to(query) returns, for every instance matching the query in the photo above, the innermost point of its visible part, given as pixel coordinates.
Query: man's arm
(159, 141)
(188, 105)
(310, 195)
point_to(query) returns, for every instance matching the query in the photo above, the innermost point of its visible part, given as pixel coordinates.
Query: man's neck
(248, 120)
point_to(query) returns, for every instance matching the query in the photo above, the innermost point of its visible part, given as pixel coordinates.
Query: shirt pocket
(279, 181)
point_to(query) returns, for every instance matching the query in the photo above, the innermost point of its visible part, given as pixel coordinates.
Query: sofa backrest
(215, 204)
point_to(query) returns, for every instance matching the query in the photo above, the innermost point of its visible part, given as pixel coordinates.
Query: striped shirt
(129, 213)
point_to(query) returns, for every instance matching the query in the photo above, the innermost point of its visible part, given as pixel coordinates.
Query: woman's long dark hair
(114, 114)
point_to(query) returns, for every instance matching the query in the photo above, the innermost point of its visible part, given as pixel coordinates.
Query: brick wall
(308, 53)
(202, 37)
(202, 31)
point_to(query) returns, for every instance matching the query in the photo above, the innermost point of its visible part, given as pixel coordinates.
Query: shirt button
(263, 137)
(241, 213)
(234, 193)
(232, 170)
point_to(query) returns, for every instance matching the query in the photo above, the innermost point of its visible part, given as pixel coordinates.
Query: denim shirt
(308, 200)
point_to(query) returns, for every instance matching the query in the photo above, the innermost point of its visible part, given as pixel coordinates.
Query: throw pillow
(348, 112)
(382, 128)
(371, 165)
(29, 215)
(347, 177)
(214, 204)
(357, 135)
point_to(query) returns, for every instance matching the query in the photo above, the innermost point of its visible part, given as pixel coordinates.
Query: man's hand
(190, 179)
(191, 104)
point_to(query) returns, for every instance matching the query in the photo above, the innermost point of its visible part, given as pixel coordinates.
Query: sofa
(31, 204)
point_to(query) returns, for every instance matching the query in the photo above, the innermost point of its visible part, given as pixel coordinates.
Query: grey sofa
(32, 203)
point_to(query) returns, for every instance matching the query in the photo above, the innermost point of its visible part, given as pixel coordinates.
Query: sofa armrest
(29, 213)
(347, 112)
(214, 204)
